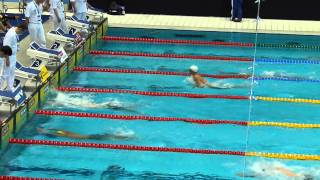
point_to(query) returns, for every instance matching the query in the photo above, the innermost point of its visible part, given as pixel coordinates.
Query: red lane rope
(134, 71)
(177, 56)
(172, 41)
(24, 178)
(149, 93)
(123, 147)
(133, 118)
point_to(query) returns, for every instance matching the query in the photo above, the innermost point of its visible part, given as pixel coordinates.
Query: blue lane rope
(287, 61)
(287, 79)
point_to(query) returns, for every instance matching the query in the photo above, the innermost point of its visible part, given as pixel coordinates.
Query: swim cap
(194, 68)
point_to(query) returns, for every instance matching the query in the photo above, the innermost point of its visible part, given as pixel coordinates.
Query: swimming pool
(92, 163)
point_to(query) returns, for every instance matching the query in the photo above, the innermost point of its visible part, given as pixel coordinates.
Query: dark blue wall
(271, 9)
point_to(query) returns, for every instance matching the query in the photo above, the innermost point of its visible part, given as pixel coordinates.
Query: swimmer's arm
(286, 172)
(200, 81)
(69, 134)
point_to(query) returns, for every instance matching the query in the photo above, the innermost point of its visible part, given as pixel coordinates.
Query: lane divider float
(168, 119)
(175, 56)
(188, 95)
(203, 57)
(286, 61)
(292, 100)
(295, 79)
(135, 71)
(24, 178)
(266, 45)
(210, 43)
(150, 93)
(170, 73)
(174, 41)
(163, 149)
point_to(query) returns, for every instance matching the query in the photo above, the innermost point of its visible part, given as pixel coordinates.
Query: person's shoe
(236, 20)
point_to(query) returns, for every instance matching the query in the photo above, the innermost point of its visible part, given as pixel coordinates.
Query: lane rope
(267, 45)
(170, 73)
(168, 119)
(203, 57)
(287, 61)
(176, 56)
(136, 118)
(135, 71)
(210, 43)
(150, 93)
(292, 100)
(163, 149)
(24, 178)
(174, 41)
(188, 95)
(295, 79)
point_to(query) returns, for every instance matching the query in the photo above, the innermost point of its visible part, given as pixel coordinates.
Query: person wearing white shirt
(57, 15)
(80, 9)
(11, 40)
(9, 64)
(33, 15)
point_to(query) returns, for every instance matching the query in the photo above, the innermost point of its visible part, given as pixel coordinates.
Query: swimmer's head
(193, 69)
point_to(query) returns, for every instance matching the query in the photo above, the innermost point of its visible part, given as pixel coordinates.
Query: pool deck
(215, 24)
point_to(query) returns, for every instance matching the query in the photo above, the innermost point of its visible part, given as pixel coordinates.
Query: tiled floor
(215, 24)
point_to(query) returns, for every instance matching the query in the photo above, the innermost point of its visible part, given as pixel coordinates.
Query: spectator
(34, 21)
(80, 9)
(57, 15)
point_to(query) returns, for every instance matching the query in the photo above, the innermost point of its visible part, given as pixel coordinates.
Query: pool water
(87, 163)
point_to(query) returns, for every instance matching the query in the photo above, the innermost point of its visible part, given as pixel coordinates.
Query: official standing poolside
(34, 21)
(80, 9)
(236, 12)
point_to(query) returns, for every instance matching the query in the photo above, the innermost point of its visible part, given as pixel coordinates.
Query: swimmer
(274, 171)
(68, 134)
(72, 100)
(201, 82)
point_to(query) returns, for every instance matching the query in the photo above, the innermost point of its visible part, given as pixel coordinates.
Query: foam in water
(82, 101)
(125, 132)
(310, 75)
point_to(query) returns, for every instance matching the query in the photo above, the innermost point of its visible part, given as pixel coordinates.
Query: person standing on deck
(236, 12)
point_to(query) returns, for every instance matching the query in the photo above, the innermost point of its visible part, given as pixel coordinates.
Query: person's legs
(12, 73)
(5, 78)
(41, 35)
(55, 23)
(232, 9)
(240, 6)
(33, 32)
(81, 16)
(63, 25)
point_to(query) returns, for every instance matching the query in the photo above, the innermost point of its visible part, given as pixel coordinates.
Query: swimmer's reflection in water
(201, 82)
(51, 132)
